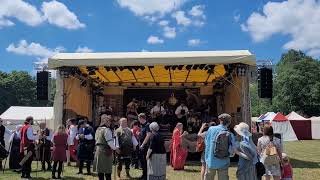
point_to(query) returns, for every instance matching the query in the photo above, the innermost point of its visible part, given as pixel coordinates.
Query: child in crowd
(135, 131)
(287, 173)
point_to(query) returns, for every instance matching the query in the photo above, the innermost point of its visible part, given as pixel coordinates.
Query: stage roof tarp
(18, 114)
(151, 58)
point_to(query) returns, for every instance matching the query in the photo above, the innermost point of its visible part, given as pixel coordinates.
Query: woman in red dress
(178, 153)
(59, 141)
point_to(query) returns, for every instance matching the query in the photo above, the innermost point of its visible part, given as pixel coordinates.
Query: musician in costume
(127, 143)
(157, 112)
(27, 147)
(105, 145)
(132, 110)
(45, 146)
(3, 130)
(15, 159)
(86, 145)
(72, 141)
(181, 113)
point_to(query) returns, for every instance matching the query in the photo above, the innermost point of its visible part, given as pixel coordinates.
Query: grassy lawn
(305, 158)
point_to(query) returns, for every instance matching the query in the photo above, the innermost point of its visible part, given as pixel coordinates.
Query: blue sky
(31, 31)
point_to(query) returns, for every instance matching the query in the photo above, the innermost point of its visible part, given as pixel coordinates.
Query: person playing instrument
(45, 146)
(72, 142)
(181, 113)
(157, 112)
(105, 144)
(86, 145)
(59, 141)
(15, 149)
(3, 130)
(132, 110)
(126, 143)
(27, 146)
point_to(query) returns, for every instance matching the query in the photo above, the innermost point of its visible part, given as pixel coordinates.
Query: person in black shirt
(144, 141)
(156, 155)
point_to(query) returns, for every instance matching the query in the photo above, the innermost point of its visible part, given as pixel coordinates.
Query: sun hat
(243, 129)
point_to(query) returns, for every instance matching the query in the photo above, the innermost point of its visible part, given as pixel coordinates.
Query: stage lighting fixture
(150, 67)
(142, 68)
(174, 67)
(202, 66)
(182, 84)
(210, 71)
(206, 83)
(188, 67)
(170, 84)
(92, 72)
(129, 68)
(211, 66)
(136, 68)
(107, 68)
(83, 83)
(146, 84)
(120, 84)
(195, 67)
(114, 69)
(158, 84)
(166, 67)
(133, 84)
(121, 68)
(180, 67)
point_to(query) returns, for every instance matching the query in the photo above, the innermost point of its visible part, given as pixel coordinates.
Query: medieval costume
(178, 154)
(15, 158)
(132, 111)
(3, 131)
(157, 112)
(59, 141)
(105, 145)
(72, 141)
(126, 144)
(85, 147)
(181, 113)
(27, 146)
(45, 147)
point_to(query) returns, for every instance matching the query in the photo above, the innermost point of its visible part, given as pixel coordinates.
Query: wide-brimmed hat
(242, 129)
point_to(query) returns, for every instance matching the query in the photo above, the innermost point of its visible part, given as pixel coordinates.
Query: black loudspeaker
(42, 85)
(265, 82)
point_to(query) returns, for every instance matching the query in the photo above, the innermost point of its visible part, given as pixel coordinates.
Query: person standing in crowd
(86, 146)
(27, 146)
(132, 110)
(247, 152)
(218, 148)
(157, 112)
(156, 155)
(287, 173)
(127, 144)
(144, 141)
(72, 141)
(105, 144)
(60, 141)
(136, 132)
(181, 113)
(270, 151)
(178, 154)
(15, 159)
(3, 130)
(45, 146)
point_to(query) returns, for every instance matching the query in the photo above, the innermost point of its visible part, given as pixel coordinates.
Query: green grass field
(305, 158)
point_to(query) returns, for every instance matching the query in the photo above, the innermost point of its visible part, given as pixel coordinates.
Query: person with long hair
(15, 140)
(60, 141)
(178, 154)
(72, 142)
(270, 151)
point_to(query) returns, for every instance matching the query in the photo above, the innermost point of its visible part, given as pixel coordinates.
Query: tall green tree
(258, 106)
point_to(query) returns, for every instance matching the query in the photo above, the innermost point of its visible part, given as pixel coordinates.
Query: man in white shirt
(72, 142)
(157, 112)
(3, 130)
(181, 113)
(45, 146)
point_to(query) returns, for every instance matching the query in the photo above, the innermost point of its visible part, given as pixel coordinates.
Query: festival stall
(300, 125)
(281, 125)
(315, 126)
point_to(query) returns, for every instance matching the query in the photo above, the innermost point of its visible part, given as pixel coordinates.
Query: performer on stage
(127, 144)
(15, 159)
(157, 112)
(132, 110)
(72, 141)
(27, 146)
(45, 146)
(105, 144)
(86, 145)
(181, 113)
(3, 130)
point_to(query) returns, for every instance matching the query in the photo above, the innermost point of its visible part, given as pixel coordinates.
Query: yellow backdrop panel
(232, 99)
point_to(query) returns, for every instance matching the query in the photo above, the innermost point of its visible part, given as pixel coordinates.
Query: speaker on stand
(43, 85)
(265, 82)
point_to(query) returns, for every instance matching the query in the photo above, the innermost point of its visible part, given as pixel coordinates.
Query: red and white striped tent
(301, 126)
(282, 126)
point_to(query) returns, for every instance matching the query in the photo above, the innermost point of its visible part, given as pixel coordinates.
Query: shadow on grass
(297, 163)
(191, 170)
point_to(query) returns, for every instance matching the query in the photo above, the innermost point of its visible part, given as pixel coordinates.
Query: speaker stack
(42, 85)
(265, 82)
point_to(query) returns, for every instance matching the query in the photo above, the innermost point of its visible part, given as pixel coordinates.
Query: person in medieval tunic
(105, 145)
(27, 146)
(126, 143)
(60, 141)
(3, 130)
(45, 146)
(72, 141)
(86, 146)
(15, 159)
(132, 110)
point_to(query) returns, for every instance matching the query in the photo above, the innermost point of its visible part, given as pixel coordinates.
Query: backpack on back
(222, 142)
(125, 141)
(271, 155)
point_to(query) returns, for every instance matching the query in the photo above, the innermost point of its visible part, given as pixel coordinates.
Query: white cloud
(155, 40)
(197, 11)
(181, 18)
(236, 18)
(169, 32)
(84, 49)
(299, 19)
(20, 10)
(163, 23)
(194, 42)
(58, 14)
(151, 7)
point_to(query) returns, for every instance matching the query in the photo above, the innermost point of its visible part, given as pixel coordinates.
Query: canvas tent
(300, 125)
(268, 116)
(315, 126)
(282, 126)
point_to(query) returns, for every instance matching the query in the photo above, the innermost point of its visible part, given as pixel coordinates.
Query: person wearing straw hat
(105, 145)
(247, 153)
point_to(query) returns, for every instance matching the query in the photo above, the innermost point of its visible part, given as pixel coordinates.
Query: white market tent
(269, 116)
(315, 127)
(282, 126)
(300, 125)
